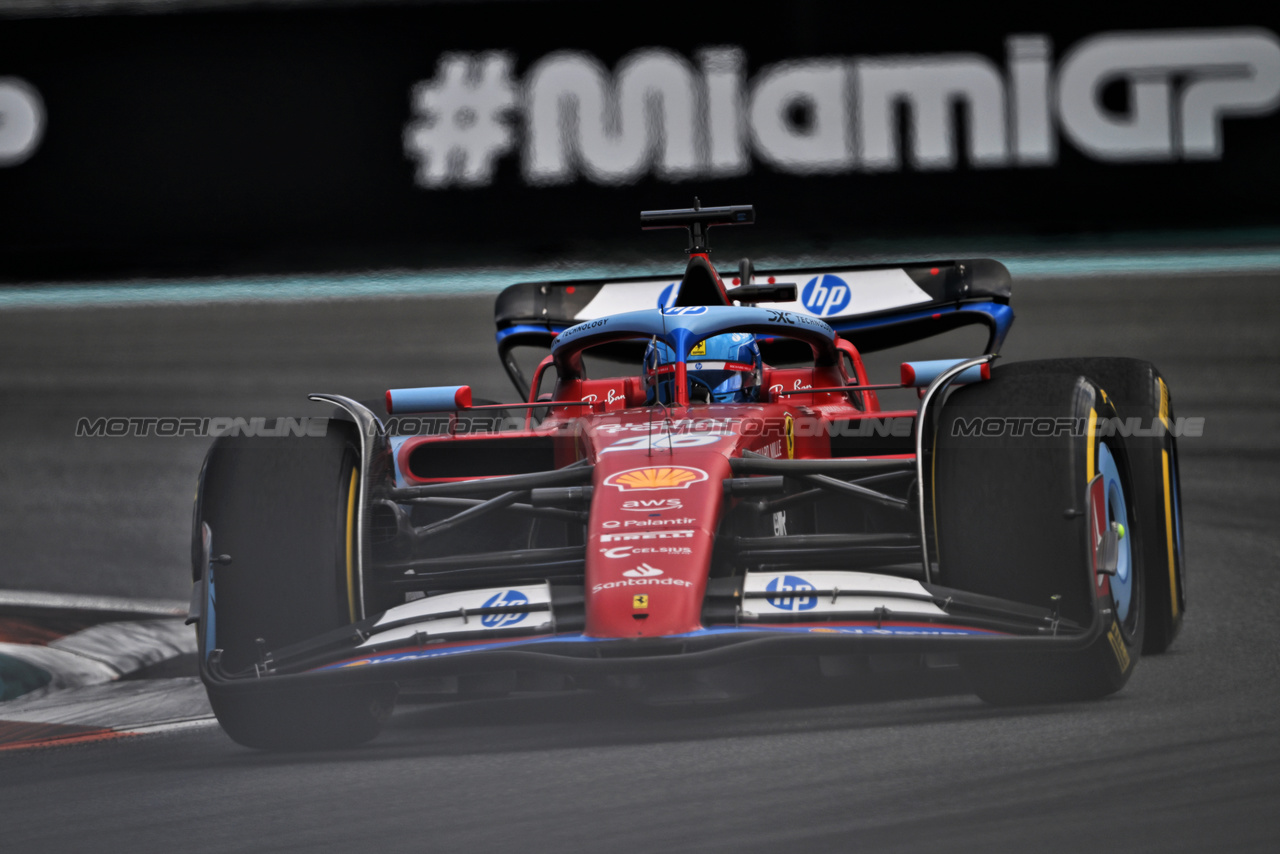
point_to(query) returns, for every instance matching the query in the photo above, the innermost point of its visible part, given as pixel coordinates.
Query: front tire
(283, 508)
(1011, 521)
(300, 719)
(1141, 398)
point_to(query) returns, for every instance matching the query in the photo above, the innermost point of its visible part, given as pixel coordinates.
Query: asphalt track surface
(1185, 758)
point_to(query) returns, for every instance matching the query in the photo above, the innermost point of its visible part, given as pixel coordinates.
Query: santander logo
(643, 571)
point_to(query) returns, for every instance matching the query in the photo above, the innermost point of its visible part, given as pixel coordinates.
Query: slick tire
(1011, 521)
(1141, 398)
(304, 719)
(282, 508)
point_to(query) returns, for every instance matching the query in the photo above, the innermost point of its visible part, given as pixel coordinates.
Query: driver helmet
(721, 369)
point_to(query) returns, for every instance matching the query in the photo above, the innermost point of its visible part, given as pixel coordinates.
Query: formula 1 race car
(737, 498)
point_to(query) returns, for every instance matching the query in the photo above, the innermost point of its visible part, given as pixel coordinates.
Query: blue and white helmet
(721, 369)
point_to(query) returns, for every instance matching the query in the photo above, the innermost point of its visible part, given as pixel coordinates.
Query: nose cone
(650, 538)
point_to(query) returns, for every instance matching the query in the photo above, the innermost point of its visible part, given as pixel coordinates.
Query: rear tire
(283, 509)
(1012, 523)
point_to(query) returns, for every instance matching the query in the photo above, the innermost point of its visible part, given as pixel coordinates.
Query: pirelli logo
(646, 535)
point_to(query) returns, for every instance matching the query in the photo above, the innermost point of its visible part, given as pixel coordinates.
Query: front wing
(517, 628)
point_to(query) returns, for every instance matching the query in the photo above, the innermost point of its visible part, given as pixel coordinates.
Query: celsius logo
(505, 599)
(825, 295)
(643, 571)
(661, 114)
(791, 584)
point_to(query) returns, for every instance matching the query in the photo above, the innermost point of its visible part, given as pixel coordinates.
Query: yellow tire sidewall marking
(1090, 448)
(350, 541)
(1164, 403)
(1168, 533)
(1118, 647)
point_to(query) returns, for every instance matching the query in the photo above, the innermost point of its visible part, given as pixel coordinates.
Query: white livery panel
(527, 607)
(834, 294)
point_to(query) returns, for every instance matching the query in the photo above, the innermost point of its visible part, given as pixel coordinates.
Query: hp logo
(505, 599)
(667, 298)
(825, 295)
(791, 584)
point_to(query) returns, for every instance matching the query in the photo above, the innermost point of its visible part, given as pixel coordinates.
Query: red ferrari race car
(736, 498)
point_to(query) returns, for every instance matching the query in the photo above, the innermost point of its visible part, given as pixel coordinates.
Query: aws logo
(652, 505)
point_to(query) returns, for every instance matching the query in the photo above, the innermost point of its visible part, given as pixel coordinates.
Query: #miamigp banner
(405, 134)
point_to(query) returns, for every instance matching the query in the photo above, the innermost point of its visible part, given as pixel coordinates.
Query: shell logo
(659, 477)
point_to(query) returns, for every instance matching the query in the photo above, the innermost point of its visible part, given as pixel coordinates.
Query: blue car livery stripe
(838, 628)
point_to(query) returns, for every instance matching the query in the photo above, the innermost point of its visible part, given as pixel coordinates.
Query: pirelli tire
(1142, 400)
(283, 510)
(1011, 519)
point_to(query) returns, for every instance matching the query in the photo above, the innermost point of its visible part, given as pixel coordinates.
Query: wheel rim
(1124, 582)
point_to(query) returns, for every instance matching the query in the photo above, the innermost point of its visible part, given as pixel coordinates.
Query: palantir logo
(505, 599)
(791, 584)
(825, 295)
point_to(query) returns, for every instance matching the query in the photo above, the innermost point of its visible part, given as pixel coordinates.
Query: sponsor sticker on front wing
(467, 612)
(768, 594)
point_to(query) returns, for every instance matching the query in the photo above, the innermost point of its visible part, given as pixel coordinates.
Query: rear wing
(873, 306)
